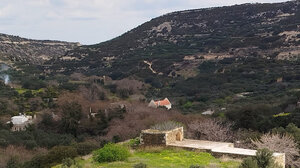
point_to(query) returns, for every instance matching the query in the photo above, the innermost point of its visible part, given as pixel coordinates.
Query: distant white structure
(161, 103)
(20, 122)
(208, 112)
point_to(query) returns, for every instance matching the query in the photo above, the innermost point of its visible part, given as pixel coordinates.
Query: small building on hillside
(160, 103)
(20, 122)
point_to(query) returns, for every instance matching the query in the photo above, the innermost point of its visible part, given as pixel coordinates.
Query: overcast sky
(89, 21)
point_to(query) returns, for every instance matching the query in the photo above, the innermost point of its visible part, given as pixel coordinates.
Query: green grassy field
(165, 158)
(22, 90)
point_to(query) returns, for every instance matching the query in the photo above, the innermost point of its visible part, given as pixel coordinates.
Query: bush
(70, 163)
(85, 148)
(263, 159)
(110, 153)
(249, 163)
(133, 143)
(283, 144)
(13, 163)
(140, 165)
(212, 130)
(30, 144)
(59, 153)
(166, 126)
(3, 142)
(39, 161)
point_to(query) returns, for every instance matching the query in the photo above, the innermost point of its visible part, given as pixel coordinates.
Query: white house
(20, 122)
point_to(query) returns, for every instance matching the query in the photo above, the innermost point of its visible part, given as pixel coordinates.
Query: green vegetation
(250, 87)
(32, 138)
(163, 158)
(263, 159)
(111, 153)
(166, 126)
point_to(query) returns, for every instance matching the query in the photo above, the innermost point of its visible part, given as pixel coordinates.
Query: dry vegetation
(212, 129)
(18, 152)
(280, 143)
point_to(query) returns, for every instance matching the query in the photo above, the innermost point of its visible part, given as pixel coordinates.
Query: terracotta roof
(163, 102)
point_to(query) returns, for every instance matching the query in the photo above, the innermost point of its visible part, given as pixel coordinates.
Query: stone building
(20, 122)
(175, 138)
(153, 137)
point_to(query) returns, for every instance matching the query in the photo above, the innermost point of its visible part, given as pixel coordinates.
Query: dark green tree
(72, 113)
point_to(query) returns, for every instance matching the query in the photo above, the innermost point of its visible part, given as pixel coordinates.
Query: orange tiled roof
(163, 102)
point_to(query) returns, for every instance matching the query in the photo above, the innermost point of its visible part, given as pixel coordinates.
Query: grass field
(22, 90)
(165, 158)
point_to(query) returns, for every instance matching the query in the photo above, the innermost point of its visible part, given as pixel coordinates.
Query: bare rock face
(19, 49)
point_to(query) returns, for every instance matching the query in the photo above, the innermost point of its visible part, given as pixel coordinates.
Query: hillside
(232, 74)
(17, 49)
(180, 41)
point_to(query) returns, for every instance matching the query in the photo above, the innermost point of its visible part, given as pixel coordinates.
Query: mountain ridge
(18, 49)
(168, 39)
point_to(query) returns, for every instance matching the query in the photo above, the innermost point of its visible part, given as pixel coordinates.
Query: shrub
(212, 130)
(13, 163)
(140, 165)
(85, 148)
(280, 143)
(123, 93)
(3, 142)
(39, 161)
(165, 126)
(110, 153)
(134, 142)
(70, 163)
(58, 153)
(30, 144)
(249, 163)
(263, 159)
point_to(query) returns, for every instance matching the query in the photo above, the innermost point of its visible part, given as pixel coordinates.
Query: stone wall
(174, 135)
(153, 139)
(175, 138)
(161, 138)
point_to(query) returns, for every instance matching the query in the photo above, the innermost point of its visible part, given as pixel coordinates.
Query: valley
(225, 74)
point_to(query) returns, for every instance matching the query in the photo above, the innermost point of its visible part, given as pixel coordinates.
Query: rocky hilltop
(17, 49)
(177, 40)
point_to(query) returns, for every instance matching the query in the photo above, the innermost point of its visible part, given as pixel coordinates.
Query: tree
(255, 117)
(212, 130)
(262, 159)
(72, 113)
(282, 144)
(13, 163)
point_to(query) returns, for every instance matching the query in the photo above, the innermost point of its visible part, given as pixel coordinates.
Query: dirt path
(150, 66)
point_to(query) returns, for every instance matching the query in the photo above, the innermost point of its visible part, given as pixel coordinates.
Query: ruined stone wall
(174, 135)
(153, 139)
